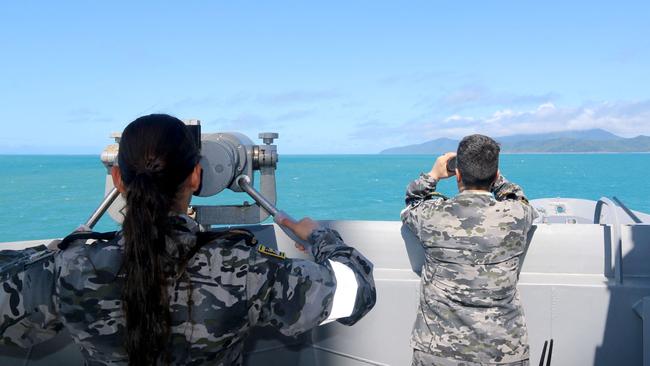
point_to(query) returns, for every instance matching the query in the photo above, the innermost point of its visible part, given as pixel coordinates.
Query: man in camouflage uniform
(469, 312)
(232, 283)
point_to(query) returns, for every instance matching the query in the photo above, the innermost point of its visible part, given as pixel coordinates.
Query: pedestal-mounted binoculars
(229, 160)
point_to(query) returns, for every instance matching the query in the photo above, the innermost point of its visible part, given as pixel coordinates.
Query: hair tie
(152, 166)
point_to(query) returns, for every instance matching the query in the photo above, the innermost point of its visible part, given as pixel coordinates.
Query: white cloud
(476, 95)
(624, 118)
(456, 118)
(627, 118)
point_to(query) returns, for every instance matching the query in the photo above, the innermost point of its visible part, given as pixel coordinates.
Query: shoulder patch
(38, 256)
(271, 252)
(14, 261)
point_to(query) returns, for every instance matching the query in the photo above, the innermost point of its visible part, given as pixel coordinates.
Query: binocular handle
(244, 182)
(103, 207)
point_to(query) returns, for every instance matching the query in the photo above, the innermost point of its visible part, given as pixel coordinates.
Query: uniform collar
(183, 229)
(183, 237)
(184, 223)
(479, 193)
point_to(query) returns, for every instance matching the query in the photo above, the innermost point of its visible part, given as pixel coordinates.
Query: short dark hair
(478, 161)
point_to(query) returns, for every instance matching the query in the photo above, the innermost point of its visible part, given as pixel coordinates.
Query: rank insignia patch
(270, 251)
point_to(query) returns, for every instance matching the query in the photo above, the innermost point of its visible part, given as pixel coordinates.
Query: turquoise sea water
(48, 196)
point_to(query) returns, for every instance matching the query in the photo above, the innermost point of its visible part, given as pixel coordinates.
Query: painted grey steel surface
(247, 213)
(566, 210)
(567, 286)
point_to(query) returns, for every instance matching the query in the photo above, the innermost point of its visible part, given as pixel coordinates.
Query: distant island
(583, 141)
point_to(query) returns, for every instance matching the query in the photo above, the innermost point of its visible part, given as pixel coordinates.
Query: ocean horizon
(48, 196)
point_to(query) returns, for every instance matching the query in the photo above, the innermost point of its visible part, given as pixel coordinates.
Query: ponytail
(144, 295)
(156, 155)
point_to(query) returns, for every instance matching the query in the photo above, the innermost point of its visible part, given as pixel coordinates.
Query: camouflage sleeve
(26, 299)
(295, 295)
(505, 190)
(420, 195)
(327, 246)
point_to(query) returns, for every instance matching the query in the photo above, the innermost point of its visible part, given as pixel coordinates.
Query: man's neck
(474, 190)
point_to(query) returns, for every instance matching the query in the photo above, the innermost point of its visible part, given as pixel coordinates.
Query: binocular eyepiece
(225, 156)
(452, 164)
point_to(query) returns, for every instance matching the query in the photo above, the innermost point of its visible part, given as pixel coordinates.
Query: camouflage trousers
(425, 359)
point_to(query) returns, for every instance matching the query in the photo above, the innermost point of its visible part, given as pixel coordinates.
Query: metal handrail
(616, 235)
(629, 212)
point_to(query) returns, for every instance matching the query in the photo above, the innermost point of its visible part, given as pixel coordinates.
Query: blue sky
(333, 77)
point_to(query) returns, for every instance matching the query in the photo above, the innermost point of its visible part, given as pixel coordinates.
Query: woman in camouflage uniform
(162, 292)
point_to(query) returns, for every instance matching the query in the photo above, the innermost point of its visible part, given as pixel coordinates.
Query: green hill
(586, 141)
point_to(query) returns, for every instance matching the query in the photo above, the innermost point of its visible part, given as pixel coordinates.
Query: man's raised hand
(439, 170)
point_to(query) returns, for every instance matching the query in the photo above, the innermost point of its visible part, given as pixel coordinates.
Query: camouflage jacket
(474, 244)
(235, 285)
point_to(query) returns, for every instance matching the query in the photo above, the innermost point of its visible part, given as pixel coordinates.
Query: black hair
(478, 161)
(156, 155)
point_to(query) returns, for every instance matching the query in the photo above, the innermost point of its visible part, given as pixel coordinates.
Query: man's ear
(458, 177)
(195, 178)
(117, 179)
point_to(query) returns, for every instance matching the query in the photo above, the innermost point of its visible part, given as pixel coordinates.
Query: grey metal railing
(629, 212)
(615, 236)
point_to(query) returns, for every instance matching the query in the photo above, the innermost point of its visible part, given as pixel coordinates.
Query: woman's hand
(301, 229)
